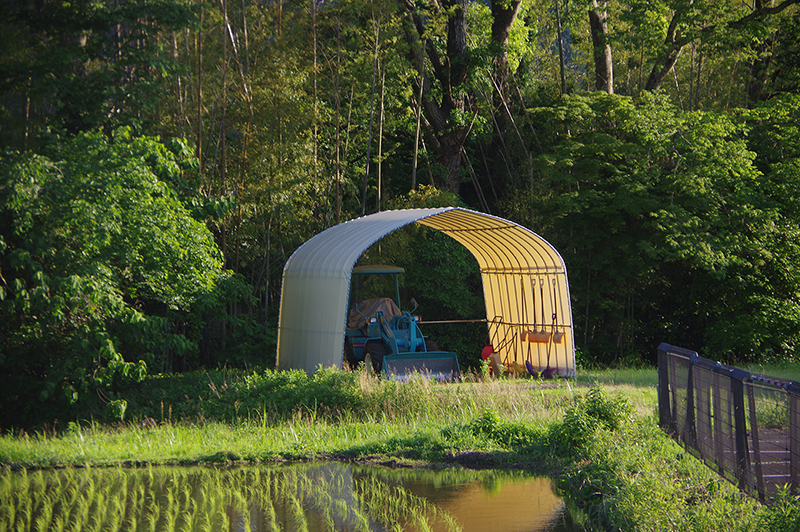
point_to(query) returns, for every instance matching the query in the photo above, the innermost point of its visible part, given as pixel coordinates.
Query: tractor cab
(389, 340)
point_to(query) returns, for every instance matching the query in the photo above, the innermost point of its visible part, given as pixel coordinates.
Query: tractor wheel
(430, 345)
(373, 356)
(350, 361)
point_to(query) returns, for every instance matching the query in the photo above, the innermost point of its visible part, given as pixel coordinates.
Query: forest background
(163, 158)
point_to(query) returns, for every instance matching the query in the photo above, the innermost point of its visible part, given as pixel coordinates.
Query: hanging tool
(540, 336)
(549, 372)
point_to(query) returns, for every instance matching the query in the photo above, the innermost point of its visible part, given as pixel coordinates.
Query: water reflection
(317, 497)
(507, 504)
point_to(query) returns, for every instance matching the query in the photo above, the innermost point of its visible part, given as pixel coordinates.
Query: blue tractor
(388, 340)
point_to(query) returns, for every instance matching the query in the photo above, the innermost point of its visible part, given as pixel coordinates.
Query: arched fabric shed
(528, 311)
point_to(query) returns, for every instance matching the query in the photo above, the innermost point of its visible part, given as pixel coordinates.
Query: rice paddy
(310, 497)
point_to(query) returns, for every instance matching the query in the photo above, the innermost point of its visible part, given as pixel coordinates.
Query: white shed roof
(524, 282)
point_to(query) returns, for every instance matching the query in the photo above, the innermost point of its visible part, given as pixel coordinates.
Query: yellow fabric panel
(525, 286)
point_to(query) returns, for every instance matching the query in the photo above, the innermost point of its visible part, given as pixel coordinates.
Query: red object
(487, 352)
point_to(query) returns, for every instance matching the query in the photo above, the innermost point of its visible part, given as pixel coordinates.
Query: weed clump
(495, 429)
(589, 414)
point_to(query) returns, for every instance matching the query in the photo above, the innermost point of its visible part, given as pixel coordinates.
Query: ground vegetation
(596, 436)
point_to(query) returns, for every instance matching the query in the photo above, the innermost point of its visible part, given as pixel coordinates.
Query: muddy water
(503, 504)
(313, 497)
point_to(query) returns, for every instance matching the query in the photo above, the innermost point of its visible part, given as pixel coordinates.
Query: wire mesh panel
(725, 446)
(680, 374)
(769, 437)
(702, 384)
(745, 426)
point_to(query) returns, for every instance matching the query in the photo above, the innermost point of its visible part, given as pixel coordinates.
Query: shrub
(592, 412)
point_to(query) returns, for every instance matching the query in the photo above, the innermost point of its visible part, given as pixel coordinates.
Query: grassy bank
(600, 441)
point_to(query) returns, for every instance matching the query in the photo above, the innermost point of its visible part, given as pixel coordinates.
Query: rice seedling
(297, 513)
(327, 523)
(114, 514)
(59, 523)
(449, 521)
(271, 517)
(80, 512)
(224, 521)
(361, 521)
(153, 514)
(393, 505)
(95, 513)
(44, 515)
(135, 504)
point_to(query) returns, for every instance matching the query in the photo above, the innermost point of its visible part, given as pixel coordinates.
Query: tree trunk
(380, 139)
(760, 66)
(503, 15)
(371, 114)
(603, 65)
(199, 144)
(662, 68)
(666, 62)
(223, 127)
(338, 112)
(561, 67)
(449, 152)
(449, 72)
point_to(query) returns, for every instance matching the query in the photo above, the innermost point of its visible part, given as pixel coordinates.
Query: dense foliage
(106, 274)
(674, 225)
(654, 144)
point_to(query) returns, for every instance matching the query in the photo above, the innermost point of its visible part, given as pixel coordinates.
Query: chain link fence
(744, 426)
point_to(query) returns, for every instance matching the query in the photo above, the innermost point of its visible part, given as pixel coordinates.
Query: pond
(327, 496)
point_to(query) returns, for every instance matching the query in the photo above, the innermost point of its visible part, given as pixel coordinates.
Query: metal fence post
(793, 391)
(737, 378)
(759, 470)
(664, 414)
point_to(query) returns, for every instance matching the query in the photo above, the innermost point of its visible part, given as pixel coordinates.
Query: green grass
(626, 377)
(788, 370)
(597, 434)
(381, 418)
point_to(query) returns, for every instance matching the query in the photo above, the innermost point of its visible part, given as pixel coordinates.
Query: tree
(102, 268)
(672, 228)
(689, 22)
(74, 66)
(438, 33)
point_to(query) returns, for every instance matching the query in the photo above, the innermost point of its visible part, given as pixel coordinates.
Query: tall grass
(386, 417)
(273, 397)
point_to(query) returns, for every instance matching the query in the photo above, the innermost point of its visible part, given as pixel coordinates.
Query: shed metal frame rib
(524, 279)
